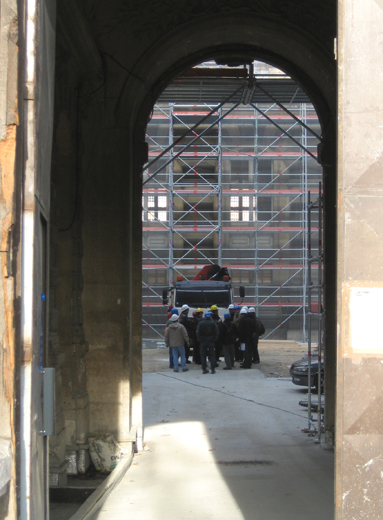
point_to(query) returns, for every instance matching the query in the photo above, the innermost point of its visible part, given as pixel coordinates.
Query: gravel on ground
(276, 358)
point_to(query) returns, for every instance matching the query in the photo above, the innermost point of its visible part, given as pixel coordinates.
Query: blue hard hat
(207, 314)
(227, 315)
(236, 307)
(174, 311)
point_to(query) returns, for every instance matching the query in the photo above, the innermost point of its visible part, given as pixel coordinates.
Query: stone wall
(9, 120)
(114, 58)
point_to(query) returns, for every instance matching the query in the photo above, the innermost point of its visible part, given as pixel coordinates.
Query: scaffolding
(315, 311)
(235, 194)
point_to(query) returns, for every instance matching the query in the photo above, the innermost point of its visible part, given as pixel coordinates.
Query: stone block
(83, 461)
(78, 459)
(58, 476)
(71, 458)
(70, 431)
(53, 273)
(53, 319)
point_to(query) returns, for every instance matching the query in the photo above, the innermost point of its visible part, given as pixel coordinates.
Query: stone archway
(98, 156)
(314, 71)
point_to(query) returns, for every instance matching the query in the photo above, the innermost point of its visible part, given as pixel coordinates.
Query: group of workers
(235, 337)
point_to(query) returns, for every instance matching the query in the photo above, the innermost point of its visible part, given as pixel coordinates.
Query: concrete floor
(62, 511)
(225, 446)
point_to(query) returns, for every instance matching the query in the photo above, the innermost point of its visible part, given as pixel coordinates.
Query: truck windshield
(219, 297)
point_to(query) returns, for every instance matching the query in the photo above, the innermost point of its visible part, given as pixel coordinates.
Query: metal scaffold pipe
(191, 143)
(191, 130)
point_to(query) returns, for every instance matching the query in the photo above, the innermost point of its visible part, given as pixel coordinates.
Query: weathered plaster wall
(105, 293)
(360, 261)
(89, 345)
(8, 139)
(37, 53)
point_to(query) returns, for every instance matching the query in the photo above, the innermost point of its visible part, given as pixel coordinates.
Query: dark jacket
(187, 323)
(259, 328)
(246, 328)
(228, 332)
(196, 321)
(207, 331)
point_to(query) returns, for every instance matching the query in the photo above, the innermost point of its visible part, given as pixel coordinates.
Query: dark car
(299, 371)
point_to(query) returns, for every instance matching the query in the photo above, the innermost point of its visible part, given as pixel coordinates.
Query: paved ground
(227, 446)
(62, 511)
(276, 357)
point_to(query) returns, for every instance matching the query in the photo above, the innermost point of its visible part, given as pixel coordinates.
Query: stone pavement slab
(227, 446)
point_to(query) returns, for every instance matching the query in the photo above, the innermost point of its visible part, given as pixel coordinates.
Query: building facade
(236, 196)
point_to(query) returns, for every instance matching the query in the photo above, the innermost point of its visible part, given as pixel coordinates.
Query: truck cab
(202, 294)
(211, 286)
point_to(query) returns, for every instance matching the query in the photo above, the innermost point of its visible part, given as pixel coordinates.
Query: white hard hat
(174, 317)
(231, 306)
(251, 309)
(185, 307)
(245, 307)
(243, 311)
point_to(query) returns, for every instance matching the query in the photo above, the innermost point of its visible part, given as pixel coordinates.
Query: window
(264, 276)
(243, 204)
(154, 277)
(241, 276)
(154, 209)
(203, 298)
(162, 201)
(246, 202)
(239, 170)
(234, 202)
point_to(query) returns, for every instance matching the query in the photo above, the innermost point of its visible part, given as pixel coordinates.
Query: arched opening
(193, 422)
(313, 71)
(152, 216)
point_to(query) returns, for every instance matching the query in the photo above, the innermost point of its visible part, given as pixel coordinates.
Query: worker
(207, 333)
(246, 328)
(172, 310)
(231, 311)
(188, 324)
(197, 317)
(259, 330)
(218, 343)
(175, 338)
(255, 353)
(237, 309)
(214, 313)
(229, 333)
(236, 319)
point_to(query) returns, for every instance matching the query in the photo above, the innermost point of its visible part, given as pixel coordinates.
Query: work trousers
(247, 361)
(228, 352)
(196, 353)
(238, 351)
(178, 351)
(255, 353)
(217, 349)
(207, 349)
